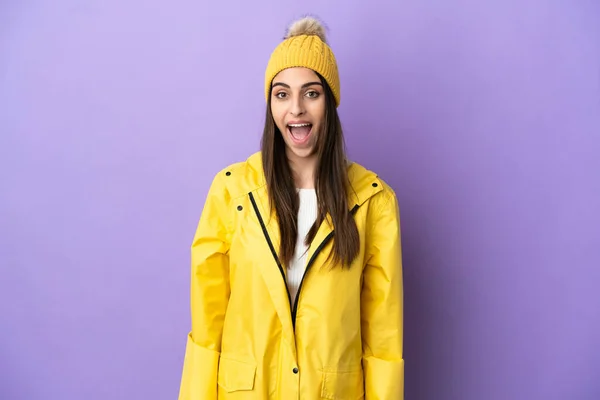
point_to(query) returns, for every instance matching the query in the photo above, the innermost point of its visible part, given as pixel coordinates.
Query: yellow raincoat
(342, 338)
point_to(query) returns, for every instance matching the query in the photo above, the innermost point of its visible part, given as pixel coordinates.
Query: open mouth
(300, 132)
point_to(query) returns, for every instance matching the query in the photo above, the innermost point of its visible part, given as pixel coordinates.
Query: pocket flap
(342, 385)
(236, 375)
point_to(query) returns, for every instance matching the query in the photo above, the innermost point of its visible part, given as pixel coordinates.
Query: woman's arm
(382, 302)
(209, 296)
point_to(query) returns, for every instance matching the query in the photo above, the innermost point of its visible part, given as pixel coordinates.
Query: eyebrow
(303, 86)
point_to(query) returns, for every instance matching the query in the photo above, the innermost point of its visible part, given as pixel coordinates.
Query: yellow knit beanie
(305, 45)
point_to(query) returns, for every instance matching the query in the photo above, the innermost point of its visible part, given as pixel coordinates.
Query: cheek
(277, 110)
(277, 116)
(318, 110)
(320, 120)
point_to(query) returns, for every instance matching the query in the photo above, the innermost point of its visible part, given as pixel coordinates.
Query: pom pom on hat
(307, 26)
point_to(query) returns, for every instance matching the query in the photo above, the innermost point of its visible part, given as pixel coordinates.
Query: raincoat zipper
(310, 263)
(266, 233)
(274, 253)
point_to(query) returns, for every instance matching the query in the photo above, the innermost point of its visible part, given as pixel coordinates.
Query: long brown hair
(331, 186)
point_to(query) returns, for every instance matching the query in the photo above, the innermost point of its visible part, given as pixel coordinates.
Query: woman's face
(298, 108)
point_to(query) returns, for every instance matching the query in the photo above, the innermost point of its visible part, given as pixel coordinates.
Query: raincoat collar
(363, 185)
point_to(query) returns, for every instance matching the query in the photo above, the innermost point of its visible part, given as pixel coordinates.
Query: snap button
(375, 185)
(295, 370)
(227, 173)
(240, 208)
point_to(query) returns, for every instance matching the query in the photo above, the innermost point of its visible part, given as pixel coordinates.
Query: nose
(297, 106)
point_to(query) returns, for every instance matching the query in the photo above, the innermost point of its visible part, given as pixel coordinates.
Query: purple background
(485, 118)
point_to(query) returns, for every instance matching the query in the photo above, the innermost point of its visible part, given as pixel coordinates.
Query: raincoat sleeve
(209, 296)
(382, 304)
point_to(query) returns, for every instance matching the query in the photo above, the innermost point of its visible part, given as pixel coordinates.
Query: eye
(312, 94)
(281, 95)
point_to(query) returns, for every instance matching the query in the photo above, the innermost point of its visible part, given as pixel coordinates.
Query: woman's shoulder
(367, 183)
(241, 177)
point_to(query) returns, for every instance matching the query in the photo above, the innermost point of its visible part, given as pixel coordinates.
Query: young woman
(296, 285)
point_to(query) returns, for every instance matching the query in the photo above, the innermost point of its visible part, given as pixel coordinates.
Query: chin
(302, 153)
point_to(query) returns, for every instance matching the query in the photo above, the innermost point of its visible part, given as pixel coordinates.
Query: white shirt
(307, 215)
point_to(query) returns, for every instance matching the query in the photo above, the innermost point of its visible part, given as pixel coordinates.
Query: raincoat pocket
(343, 385)
(235, 375)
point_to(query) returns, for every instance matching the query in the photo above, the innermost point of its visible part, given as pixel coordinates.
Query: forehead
(296, 76)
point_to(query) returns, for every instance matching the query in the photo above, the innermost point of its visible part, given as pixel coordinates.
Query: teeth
(298, 125)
